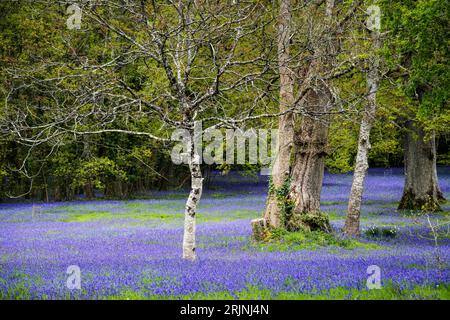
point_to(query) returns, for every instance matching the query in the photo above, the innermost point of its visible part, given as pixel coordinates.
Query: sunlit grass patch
(280, 240)
(99, 215)
(219, 195)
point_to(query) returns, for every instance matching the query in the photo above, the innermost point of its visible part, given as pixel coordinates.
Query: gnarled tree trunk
(310, 144)
(310, 140)
(281, 165)
(421, 190)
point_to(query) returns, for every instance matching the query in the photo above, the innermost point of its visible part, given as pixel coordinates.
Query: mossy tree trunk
(310, 144)
(281, 165)
(421, 190)
(311, 136)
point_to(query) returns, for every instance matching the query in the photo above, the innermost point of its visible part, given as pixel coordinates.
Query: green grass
(139, 211)
(153, 206)
(387, 292)
(280, 240)
(20, 289)
(100, 215)
(330, 203)
(220, 195)
(333, 215)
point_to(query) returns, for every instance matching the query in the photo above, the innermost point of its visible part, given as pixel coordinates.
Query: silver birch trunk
(191, 206)
(351, 227)
(281, 165)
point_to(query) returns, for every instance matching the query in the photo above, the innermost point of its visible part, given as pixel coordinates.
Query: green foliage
(381, 232)
(284, 203)
(97, 172)
(418, 43)
(283, 240)
(308, 221)
(35, 39)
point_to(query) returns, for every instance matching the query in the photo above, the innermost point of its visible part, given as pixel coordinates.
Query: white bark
(191, 207)
(351, 227)
(330, 7)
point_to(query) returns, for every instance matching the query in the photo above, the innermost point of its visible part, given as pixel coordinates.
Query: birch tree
(190, 57)
(352, 221)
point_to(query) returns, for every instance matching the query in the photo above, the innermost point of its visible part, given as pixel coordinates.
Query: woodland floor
(131, 249)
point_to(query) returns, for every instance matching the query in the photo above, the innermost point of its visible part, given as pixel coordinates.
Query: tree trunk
(421, 190)
(307, 174)
(351, 227)
(281, 165)
(258, 229)
(89, 191)
(310, 139)
(191, 206)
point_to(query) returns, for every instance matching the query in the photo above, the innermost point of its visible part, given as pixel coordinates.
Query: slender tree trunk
(421, 190)
(351, 227)
(191, 206)
(88, 188)
(281, 165)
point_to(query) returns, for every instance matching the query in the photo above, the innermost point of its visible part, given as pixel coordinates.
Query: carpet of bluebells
(132, 249)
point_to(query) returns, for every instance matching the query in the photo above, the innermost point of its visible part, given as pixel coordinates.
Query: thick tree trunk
(281, 165)
(191, 207)
(307, 174)
(351, 227)
(89, 191)
(421, 190)
(310, 141)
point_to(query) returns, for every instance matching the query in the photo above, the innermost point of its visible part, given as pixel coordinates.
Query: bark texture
(310, 144)
(310, 138)
(191, 207)
(421, 190)
(352, 221)
(281, 165)
(258, 229)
